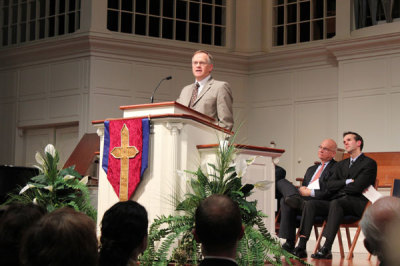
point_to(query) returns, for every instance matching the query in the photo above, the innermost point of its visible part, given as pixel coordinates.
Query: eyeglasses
(201, 63)
(323, 148)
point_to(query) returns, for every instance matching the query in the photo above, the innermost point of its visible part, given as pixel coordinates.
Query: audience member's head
(377, 222)
(63, 237)
(16, 219)
(123, 233)
(218, 226)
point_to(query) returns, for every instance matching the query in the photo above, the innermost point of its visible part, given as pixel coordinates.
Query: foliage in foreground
(54, 188)
(170, 238)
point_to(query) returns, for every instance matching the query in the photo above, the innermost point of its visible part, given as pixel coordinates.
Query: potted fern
(170, 237)
(54, 188)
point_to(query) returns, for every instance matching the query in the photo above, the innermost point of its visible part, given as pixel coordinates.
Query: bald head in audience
(378, 227)
(218, 226)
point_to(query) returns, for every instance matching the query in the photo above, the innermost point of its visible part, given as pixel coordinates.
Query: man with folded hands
(313, 187)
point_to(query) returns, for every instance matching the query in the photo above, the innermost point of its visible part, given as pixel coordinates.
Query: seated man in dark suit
(352, 176)
(293, 198)
(280, 173)
(218, 228)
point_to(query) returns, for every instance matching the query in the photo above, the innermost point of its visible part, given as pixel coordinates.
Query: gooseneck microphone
(152, 96)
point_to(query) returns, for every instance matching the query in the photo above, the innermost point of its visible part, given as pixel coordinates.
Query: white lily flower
(25, 188)
(251, 160)
(68, 177)
(50, 150)
(207, 169)
(180, 173)
(39, 158)
(84, 180)
(39, 167)
(34, 201)
(263, 185)
(223, 145)
(49, 188)
(241, 167)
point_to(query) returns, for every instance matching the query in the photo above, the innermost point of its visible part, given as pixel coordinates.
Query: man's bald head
(218, 222)
(327, 150)
(376, 221)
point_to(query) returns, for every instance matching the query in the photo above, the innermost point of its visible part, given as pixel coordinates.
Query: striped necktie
(194, 94)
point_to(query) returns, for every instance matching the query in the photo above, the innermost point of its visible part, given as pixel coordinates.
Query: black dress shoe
(323, 253)
(289, 247)
(300, 252)
(295, 202)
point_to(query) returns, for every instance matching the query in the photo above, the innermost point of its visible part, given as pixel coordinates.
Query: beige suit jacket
(214, 100)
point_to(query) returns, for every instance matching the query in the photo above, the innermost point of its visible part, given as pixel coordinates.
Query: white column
(175, 129)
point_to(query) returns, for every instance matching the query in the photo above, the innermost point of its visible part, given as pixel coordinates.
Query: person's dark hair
(63, 237)
(356, 137)
(218, 222)
(123, 230)
(15, 221)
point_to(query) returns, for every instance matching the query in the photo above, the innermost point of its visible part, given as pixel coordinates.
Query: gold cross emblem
(125, 152)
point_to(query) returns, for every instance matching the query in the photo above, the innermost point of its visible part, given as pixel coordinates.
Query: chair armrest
(300, 180)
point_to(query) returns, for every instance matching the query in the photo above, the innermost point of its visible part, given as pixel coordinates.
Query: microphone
(152, 96)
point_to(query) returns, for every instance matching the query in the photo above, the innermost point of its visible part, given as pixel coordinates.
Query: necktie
(351, 163)
(318, 174)
(194, 94)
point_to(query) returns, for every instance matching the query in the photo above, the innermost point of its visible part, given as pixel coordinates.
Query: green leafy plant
(54, 188)
(170, 238)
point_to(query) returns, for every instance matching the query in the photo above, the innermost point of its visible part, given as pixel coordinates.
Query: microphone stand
(152, 96)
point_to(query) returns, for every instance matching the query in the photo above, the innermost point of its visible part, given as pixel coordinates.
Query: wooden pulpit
(180, 139)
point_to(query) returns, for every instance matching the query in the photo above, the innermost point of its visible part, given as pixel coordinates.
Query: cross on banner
(124, 153)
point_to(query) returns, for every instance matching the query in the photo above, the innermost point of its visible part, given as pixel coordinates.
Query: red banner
(125, 156)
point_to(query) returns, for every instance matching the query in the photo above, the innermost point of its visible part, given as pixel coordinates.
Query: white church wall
(7, 132)
(314, 122)
(369, 100)
(118, 81)
(50, 93)
(8, 85)
(41, 95)
(286, 105)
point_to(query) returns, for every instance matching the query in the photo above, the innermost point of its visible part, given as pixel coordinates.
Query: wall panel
(316, 83)
(33, 111)
(314, 122)
(65, 107)
(8, 83)
(110, 74)
(364, 75)
(271, 87)
(7, 133)
(366, 115)
(65, 76)
(33, 80)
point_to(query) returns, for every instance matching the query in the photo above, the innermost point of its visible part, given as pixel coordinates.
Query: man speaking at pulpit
(207, 95)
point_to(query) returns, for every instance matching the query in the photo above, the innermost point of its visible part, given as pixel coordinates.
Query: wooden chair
(349, 221)
(317, 223)
(395, 191)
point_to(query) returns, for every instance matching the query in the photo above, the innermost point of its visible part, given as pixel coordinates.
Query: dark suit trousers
(287, 227)
(312, 209)
(335, 209)
(286, 188)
